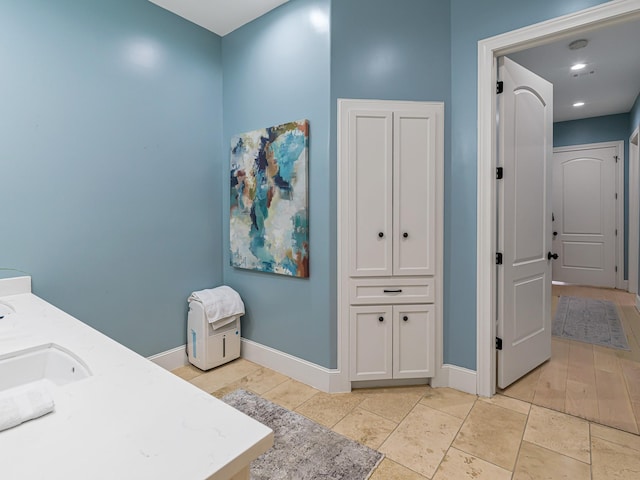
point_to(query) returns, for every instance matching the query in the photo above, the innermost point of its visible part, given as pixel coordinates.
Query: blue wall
(472, 21)
(110, 162)
(608, 128)
(392, 51)
(276, 70)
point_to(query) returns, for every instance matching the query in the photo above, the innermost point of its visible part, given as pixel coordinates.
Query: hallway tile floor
(589, 381)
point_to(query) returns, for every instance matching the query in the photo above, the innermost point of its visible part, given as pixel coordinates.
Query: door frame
(616, 11)
(619, 186)
(634, 200)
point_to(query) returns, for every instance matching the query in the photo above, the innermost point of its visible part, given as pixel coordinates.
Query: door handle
(552, 255)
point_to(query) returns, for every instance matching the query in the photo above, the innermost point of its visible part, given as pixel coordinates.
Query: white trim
(393, 382)
(620, 282)
(634, 201)
(488, 50)
(638, 302)
(171, 359)
(456, 377)
(343, 245)
(322, 378)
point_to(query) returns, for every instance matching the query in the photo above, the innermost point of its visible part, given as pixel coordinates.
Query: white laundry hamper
(208, 345)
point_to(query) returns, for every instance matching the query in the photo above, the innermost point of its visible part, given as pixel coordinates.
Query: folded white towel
(219, 304)
(24, 403)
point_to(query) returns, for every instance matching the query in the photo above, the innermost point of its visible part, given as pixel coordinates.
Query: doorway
(488, 52)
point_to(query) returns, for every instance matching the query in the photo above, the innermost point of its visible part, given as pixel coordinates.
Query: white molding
(488, 50)
(638, 302)
(394, 382)
(325, 379)
(456, 377)
(171, 359)
(620, 282)
(634, 203)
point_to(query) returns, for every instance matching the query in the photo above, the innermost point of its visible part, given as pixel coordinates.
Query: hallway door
(584, 209)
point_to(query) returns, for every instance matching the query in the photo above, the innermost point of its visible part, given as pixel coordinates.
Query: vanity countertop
(130, 419)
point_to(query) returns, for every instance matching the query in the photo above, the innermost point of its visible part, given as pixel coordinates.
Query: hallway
(589, 381)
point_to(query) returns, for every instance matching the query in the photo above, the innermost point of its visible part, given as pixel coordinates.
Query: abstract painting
(269, 227)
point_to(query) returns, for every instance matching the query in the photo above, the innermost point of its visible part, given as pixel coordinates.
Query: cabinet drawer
(377, 291)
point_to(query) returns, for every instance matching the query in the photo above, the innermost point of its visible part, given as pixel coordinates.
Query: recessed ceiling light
(578, 66)
(578, 104)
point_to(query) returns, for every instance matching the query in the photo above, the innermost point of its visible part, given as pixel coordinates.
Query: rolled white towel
(219, 303)
(24, 403)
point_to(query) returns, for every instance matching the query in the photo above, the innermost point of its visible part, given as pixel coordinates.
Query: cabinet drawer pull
(381, 319)
(392, 291)
(405, 318)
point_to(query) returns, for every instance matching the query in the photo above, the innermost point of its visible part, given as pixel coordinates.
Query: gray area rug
(302, 449)
(589, 321)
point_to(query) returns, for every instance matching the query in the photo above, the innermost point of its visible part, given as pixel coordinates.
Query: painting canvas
(269, 228)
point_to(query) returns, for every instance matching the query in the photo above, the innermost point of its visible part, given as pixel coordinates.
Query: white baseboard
(456, 377)
(325, 379)
(171, 359)
(638, 302)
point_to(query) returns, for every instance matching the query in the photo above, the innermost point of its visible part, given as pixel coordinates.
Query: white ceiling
(219, 16)
(613, 55)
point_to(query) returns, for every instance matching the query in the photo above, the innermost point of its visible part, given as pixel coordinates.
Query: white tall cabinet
(390, 246)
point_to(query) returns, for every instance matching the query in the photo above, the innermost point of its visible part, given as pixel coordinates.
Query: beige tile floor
(589, 381)
(443, 434)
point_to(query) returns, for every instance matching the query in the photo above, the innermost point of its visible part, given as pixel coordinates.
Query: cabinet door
(370, 192)
(413, 341)
(371, 342)
(416, 149)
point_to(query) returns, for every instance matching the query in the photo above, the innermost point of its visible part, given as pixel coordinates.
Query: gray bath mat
(590, 321)
(302, 449)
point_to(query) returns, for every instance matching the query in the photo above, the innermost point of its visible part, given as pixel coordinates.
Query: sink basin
(5, 309)
(44, 362)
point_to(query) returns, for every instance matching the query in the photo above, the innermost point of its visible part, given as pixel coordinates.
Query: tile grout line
(524, 430)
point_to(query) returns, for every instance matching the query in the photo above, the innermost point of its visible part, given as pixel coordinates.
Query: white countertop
(130, 420)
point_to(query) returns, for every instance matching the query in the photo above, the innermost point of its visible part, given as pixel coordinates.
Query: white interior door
(525, 142)
(584, 208)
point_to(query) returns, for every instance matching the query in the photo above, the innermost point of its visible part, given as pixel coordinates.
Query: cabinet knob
(405, 318)
(381, 319)
(405, 235)
(380, 234)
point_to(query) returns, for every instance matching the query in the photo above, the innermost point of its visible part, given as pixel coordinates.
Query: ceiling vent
(583, 73)
(578, 44)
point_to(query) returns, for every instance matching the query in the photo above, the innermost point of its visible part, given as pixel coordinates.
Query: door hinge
(498, 343)
(616, 195)
(499, 87)
(616, 232)
(498, 258)
(499, 173)
(616, 268)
